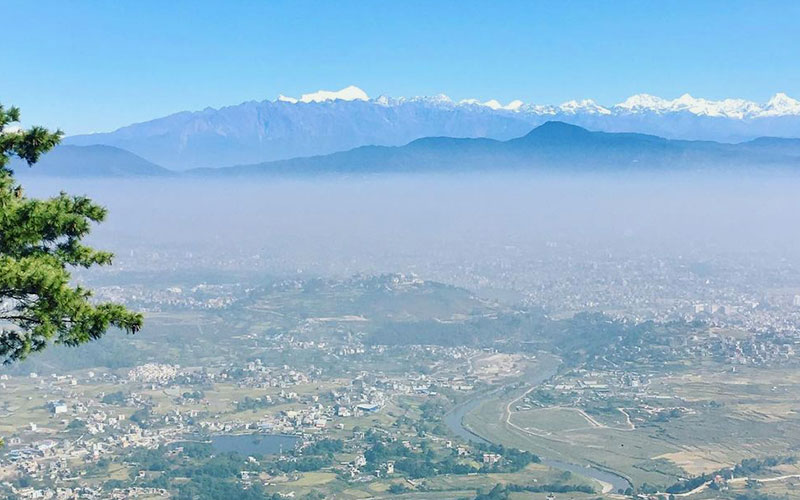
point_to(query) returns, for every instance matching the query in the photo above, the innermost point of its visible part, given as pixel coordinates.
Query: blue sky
(93, 66)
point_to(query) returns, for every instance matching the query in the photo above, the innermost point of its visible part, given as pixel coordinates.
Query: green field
(732, 417)
(550, 420)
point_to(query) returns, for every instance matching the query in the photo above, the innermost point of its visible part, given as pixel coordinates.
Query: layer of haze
(435, 225)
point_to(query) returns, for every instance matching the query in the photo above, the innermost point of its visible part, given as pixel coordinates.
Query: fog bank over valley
(435, 225)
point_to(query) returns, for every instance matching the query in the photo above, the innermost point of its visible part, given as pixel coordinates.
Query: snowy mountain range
(779, 105)
(329, 121)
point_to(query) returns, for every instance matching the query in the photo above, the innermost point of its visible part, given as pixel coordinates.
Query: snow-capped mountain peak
(494, 104)
(514, 105)
(729, 108)
(781, 104)
(585, 106)
(440, 98)
(735, 108)
(643, 102)
(351, 93)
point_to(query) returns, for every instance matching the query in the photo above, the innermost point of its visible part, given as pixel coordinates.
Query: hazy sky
(93, 66)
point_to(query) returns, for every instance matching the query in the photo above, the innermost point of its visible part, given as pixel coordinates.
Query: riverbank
(547, 367)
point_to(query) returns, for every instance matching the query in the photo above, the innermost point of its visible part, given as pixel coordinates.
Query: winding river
(454, 420)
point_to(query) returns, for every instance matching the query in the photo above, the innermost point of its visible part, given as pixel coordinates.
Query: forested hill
(552, 147)
(90, 161)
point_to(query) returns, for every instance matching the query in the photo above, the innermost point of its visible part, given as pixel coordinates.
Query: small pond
(253, 444)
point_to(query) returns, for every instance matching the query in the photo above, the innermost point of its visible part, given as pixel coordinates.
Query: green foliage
(649, 489)
(142, 417)
(499, 492)
(197, 450)
(249, 403)
(77, 425)
(112, 484)
(758, 496)
(398, 488)
(211, 488)
(99, 468)
(324, 447)
(747, 466)
(225, 465)
(753, 465)
(416, 467)
(381, 452)
(39, 241)
(503, 492)
(197, 395)
(514, 460)
(114, 398)
(147, 460)
(304, 464)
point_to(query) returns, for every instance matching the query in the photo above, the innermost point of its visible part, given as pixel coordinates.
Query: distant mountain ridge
(90, 161)
(330, 121)
(552, 147)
